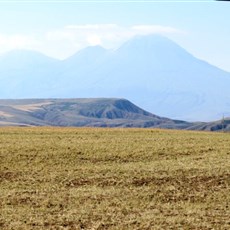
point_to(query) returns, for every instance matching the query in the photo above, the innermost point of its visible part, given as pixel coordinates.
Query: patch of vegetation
(94, 178)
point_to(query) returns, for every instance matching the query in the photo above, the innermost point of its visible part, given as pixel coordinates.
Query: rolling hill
(222, 125)
(151, 71)
(101, 112)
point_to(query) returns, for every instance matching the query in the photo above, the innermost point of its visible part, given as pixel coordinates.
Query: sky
(61, 28)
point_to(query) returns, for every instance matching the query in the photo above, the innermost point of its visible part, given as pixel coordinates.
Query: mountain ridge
(99, 112)
(93, 112)
(151, 71)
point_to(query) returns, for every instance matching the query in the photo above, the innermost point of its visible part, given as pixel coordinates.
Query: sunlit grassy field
(94, 178)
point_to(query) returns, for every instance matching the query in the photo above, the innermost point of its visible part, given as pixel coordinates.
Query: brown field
(94, 178)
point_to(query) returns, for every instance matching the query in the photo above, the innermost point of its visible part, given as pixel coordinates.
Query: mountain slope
(80, 112)
(24, 73)
(19, 59)
(222, 125)
(162, 77)
(152, 71)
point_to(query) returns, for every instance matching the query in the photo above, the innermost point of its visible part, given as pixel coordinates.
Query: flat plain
(101, 178)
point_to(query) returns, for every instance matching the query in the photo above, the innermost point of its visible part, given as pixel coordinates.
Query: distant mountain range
(151, 71)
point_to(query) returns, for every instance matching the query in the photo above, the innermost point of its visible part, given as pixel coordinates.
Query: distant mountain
(24, 73)
(88, 56)
(222, 125)
(99, 112)
(152, 71)
(19, 59)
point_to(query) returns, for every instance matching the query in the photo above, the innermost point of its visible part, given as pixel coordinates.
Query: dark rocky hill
(100, 112)
(222, 125)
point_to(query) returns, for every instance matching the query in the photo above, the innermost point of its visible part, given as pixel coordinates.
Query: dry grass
(3, 114)
(77, 178)
(30, 107)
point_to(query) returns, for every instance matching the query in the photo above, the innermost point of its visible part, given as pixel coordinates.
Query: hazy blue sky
(60, 28)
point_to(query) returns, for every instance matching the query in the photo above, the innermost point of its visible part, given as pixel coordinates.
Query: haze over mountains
(152, 71)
